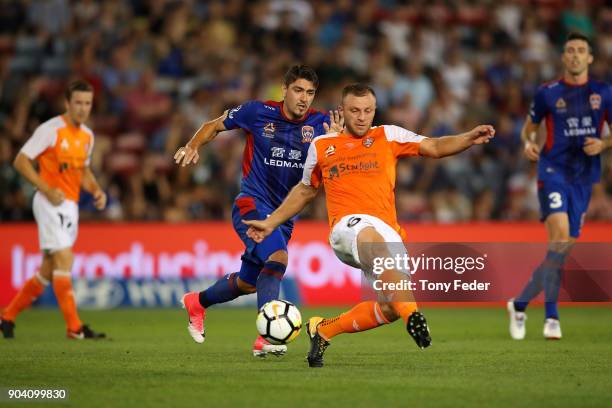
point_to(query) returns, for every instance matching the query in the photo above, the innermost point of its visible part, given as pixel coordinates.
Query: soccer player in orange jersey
(62, 147)
(357, 169)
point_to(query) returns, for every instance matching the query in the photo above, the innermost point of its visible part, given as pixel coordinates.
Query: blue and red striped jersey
(276, 148)
(572, 113)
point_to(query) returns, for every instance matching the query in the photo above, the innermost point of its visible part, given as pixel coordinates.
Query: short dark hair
(78, 85)
(357, 89)
(579, 36)
(301, 72)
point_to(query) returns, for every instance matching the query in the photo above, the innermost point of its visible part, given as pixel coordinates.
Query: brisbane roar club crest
(307, 134)
(595, 101)
(368, 141)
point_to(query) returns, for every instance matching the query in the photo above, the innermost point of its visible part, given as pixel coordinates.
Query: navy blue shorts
(572, 199)
(247, 208)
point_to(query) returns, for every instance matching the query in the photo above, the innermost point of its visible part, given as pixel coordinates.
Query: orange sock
(364, 316)
(32, 289)
(404, 309)
(62, 286)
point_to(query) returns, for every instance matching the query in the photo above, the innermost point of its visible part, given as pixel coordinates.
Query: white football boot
(517, 321)
(552, 329)
(262, 347)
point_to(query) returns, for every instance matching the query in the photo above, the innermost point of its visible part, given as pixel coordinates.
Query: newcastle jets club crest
(595, 101)
(307, 134)
(269, 130)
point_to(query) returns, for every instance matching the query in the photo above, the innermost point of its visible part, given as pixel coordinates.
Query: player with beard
(357, 170)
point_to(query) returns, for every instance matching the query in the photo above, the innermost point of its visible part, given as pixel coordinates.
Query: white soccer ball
(279, 322)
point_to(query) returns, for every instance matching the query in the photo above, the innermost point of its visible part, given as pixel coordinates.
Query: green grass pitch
(150, 361)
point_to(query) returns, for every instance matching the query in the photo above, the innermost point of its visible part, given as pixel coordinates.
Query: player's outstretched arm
(450, 145)
(531, 148)
(24, 166)
(90, 184)
(296, 200)
(207, 132)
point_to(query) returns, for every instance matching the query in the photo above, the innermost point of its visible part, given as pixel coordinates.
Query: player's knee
(371, 246)
(558, 227)
(560, 240)
(388, 311)
(46, 273)
(561, 245)
(560, 237)
(279, 256)
(46, 267)
(62, 259)
(245, 287)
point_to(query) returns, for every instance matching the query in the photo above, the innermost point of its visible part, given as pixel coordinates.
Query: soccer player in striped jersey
(356, 167)
(62, 146)
(278, 135)
(575, 109)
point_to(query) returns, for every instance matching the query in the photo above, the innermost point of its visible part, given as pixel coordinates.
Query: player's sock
(552, 312)
(32, 289)
(404, 309)
(268, 282)
(62, 286)
(224, 290)
(531, 290)
(552, 285)
(364, 316)
(550, 267)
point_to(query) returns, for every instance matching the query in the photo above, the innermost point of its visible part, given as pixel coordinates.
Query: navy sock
(551, 310)
(531, 290)
(552, 285)
(224, 290)
(542, 278)
(268, 282)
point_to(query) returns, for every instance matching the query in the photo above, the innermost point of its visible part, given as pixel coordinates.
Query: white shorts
(57, 225)
(343, 237)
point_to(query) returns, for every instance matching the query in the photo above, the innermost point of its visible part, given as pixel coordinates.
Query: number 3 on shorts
(555, 200)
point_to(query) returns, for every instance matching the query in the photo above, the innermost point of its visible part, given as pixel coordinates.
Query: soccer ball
(279, 322)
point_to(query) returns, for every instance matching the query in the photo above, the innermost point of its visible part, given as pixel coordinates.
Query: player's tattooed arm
(90, 184)
(24, 166)
(450, 145)
(531, 147)
(296, 200)
(207, 132)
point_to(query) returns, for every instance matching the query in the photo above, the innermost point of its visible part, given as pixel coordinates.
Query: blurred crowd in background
(162, 68)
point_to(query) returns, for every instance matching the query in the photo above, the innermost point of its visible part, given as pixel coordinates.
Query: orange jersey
(358, 174)
(62, 152)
